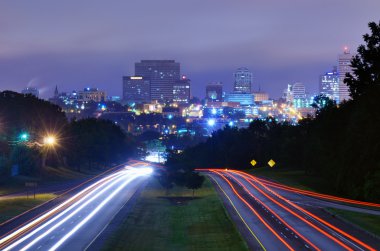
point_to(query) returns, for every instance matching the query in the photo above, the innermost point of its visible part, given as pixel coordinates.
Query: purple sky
(74, 44)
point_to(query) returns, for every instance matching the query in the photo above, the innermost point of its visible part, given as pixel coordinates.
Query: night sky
(74, 44)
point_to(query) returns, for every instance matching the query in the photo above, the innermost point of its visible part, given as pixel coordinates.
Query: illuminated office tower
(181, 90)
(243, 80)
(329, 85)
(162, 74)
(344, 66)
(136, 89)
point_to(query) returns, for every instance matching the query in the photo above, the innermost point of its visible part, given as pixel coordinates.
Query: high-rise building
(32, 91)
(296, 95)
(288, 94)
(243, 80)
(329, 85)
(181, 90)
(136, 89)
(162, 74)
(298, 90)
(214, 92)
(91, 94)
(344, 66)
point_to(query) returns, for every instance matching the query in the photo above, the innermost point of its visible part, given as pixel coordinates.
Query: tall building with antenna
(344, 66)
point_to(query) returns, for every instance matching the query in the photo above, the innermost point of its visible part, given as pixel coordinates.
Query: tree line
(88, 143)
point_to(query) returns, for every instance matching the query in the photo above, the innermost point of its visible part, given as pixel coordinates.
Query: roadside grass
(12, 207)
(15, 184)
(49, 176)
(294, 178)
(369, 222)
(177, 222)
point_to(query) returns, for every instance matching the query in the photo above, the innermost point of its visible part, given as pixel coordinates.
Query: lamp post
(49, 142)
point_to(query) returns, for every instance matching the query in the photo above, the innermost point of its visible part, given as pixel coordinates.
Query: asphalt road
(75, 223)
(273, 219)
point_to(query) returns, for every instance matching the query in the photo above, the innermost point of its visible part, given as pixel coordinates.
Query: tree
(322, 102)
(98, 142)
(166, 181)
(194, 181)
(366, 64)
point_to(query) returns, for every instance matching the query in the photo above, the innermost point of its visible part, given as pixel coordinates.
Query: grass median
(177, 222)
(11, 207)
(294, 178)
(369, 222)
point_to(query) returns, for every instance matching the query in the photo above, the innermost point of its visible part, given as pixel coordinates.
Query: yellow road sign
(271, 163)
(253, 162)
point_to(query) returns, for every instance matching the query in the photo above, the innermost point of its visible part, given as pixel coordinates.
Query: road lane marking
(240, 216)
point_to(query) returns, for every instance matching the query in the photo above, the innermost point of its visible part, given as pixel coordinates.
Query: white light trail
(64, 212)
(56, 208)
(85, 220)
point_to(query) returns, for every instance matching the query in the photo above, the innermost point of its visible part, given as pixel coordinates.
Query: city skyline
(98, 53)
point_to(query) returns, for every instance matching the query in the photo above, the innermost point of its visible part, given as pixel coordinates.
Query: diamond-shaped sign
(271, 163)
(253, 162)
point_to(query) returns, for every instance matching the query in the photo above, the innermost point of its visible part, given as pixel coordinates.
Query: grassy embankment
(298, 179)
(12, 206)
(177, 222)
(369, 222)
(294, 178)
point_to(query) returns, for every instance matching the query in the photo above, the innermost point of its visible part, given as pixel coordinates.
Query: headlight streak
(254, 211)
(44, 216)
(305, 192)
(352, 238)
(101, 205)
(121, 176)
(274, 213)
(298, 216)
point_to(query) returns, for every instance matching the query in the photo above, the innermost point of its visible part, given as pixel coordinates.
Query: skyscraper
(243, 80)
(344, 64)
(298, 95)
(214, 92)
(136, 89)
(162, 74)
(298, 90)
(181, 90)
(329, 85)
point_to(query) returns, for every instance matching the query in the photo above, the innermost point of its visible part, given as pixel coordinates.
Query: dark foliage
(89, 142)
(97, 143)
(194, 181)
(366, 64)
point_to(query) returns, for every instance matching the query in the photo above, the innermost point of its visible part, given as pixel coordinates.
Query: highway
(276, 217)
(76, 222)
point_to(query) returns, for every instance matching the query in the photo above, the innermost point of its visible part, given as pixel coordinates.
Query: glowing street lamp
(50, 140)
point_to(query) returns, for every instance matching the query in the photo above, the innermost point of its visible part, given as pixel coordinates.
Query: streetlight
(50, 140)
